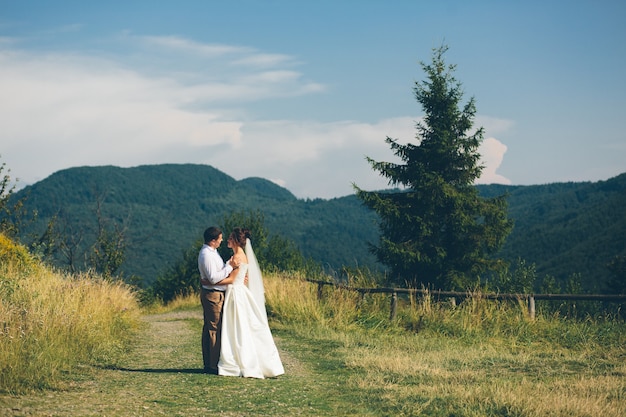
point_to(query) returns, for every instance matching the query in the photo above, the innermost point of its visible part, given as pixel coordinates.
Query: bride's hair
(240, 235)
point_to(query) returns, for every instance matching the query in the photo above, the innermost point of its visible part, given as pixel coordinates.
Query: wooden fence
(456, 295)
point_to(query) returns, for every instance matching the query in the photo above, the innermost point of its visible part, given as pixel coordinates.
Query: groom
(212, 271)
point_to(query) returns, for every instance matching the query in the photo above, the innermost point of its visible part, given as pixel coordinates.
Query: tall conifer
(435, 228)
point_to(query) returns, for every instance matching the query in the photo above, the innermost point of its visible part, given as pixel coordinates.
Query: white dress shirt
(212, 268)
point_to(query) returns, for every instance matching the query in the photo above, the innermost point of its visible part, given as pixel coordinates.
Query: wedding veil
(255, 279)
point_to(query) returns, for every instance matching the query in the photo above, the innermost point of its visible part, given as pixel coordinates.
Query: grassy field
(342, 356)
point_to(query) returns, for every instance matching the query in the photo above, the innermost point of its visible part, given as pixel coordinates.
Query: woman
(248, 348)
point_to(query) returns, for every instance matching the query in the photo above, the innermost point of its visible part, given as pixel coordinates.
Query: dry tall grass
(479, 358)
(51, 322)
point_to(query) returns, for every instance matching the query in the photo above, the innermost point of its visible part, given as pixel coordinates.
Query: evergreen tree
(435, 228)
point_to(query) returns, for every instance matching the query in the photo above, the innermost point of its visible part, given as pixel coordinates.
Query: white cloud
(265, 60)
(67, 109)
(176, 43)
(316, 159)
(46, 100)
(492, 153)
(60, 110)
(494, 126)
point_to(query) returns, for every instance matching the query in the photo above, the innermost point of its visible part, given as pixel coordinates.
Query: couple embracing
(236, 338)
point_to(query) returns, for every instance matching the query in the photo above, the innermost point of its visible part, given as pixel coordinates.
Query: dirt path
(163, 378)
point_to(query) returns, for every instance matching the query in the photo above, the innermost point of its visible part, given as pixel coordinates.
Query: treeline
(274, 253)
(161, 211)
(569, 229)
(164, 209)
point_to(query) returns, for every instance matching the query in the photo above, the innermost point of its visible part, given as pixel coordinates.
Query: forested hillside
(563, 228)
(164, 209)
(567, 228)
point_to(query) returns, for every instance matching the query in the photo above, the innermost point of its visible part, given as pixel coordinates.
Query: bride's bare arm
(230, 278)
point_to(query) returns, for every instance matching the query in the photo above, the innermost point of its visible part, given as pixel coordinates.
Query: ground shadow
(158, 370)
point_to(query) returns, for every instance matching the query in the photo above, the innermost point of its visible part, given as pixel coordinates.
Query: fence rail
(454, 295)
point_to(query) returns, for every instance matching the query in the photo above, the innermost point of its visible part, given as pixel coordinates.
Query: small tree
(273, 253)
(519, 280)
(68, 242)
(109, 250)
(181, 278)
(435, 228)
(11, 212)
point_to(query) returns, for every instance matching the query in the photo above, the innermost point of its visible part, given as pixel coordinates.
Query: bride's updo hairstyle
(240, 235)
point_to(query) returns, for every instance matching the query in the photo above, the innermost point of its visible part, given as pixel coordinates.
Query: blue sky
(299, 92)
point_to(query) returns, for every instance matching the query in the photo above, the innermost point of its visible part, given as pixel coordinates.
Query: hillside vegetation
(568, 228)
(165, 209)
(563, 228)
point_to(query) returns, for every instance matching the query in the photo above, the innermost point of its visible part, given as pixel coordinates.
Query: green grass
(342, 356)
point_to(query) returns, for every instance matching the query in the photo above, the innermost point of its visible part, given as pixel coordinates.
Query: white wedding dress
(248, 347)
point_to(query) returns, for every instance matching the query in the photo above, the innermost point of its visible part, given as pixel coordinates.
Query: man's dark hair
(212, 233)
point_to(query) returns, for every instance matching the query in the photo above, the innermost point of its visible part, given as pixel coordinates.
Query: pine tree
(436, 230)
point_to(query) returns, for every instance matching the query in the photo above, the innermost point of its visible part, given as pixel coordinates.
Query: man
(213, 278)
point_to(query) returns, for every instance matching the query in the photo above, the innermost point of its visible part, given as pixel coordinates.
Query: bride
(248, 348)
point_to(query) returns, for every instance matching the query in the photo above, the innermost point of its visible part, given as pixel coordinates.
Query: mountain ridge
(561, 227)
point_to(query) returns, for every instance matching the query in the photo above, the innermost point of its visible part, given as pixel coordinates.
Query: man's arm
(213, 270)
(228, 280)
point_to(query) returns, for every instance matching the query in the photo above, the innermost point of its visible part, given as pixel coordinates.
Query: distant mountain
(567, 228)
(167, 207)
(563, 228)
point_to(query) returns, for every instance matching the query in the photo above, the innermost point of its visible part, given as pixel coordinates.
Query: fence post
(394, 305)
(319, 290)
(531, 307)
